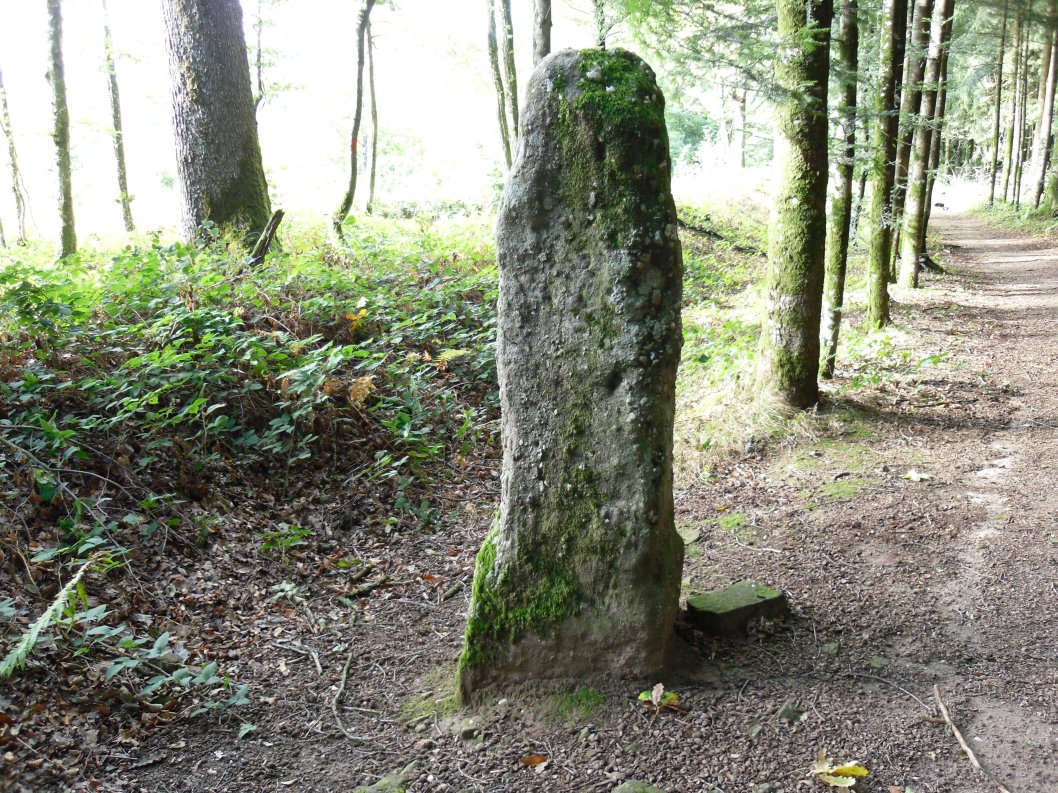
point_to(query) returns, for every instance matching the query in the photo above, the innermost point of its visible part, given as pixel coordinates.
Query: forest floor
(912, 527)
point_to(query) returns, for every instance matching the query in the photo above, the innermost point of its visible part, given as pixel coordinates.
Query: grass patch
(438, 697)
(843, 489)
(576, 704)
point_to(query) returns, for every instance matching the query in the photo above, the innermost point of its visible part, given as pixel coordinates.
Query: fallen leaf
(917, 476)
(533, 760)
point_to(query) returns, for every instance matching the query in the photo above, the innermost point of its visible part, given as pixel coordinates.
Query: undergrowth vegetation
(143, 390)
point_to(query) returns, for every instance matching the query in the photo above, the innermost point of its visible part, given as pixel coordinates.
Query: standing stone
(580, 575)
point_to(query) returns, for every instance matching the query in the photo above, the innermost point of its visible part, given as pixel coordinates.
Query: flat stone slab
(729, 610)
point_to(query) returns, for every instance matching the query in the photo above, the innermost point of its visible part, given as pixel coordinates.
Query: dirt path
(915, 533)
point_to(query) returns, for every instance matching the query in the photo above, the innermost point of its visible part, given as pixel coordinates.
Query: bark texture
(1041, 153)
(222, 178)
(363, 19)
(894, 15)
(915, 214)
(118, 132)
(12, 153)
(994, 166)
(1015, 91)
(847, 53)
(61, 131)
(541, 30)
(509, 70)
(580, 575)
(789, 360)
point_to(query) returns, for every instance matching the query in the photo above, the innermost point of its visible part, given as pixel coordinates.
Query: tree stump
(579, 577)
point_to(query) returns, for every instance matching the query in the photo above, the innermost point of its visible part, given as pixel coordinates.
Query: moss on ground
(440, 699)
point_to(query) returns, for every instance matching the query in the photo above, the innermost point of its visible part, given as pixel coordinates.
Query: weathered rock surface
(580, 575)
(731, 609)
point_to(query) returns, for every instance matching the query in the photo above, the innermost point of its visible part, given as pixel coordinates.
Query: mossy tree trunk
(892, 22)
(222, 178)
(61, 130)
(789, 360)
(362, 20)
(118, 131)
(579, 577)
(12, 153)
(910, 102)
(541, 30)
(915, 214)
(997, 112)
(840, 221)
(497, 82)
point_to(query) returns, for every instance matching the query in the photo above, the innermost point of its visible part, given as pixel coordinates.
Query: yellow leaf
(360, 389)
(451, 355)
(534, 759)
(850, 769)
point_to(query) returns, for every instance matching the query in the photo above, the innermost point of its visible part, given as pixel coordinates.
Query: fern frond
(20, 652)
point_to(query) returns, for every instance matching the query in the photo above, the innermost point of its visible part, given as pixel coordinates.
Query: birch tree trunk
(507, 49)
(497, 81)
(12, 153)
(61, 133)
(894, 14)
(119, 133)
(789, 359)
(541, 30)
(998, 106)
(222, 177)
(362, 20)
(847, 52)
(374, 118)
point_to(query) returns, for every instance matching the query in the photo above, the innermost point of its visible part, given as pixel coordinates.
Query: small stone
(632, 786)
(790, 713)
(879, 662)
(396, 782)
(425, 745)
(731, 609)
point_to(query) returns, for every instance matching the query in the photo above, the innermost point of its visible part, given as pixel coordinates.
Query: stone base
(729, 610)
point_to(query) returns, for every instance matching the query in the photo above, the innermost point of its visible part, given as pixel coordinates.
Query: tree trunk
(61, 133)
(910, 101)
(222, 178)
(840, 222)
(507, 48)
(541, 30)
(16, 176)
(1023, 126)
(258, 55)
(497, 81)
(861, 190)
(362, 20)
(938, 138)
(119, 135)
(1015, 91)
(894, 14)
(601, 28)
(914, 216)
(998, 106)
(1041, 153)
(789, 360)
(374, 118)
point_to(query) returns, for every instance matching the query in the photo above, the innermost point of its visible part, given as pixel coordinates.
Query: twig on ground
(338, 696)
(452, 591)
(962, 742)
(360, 591)
(361, 573)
